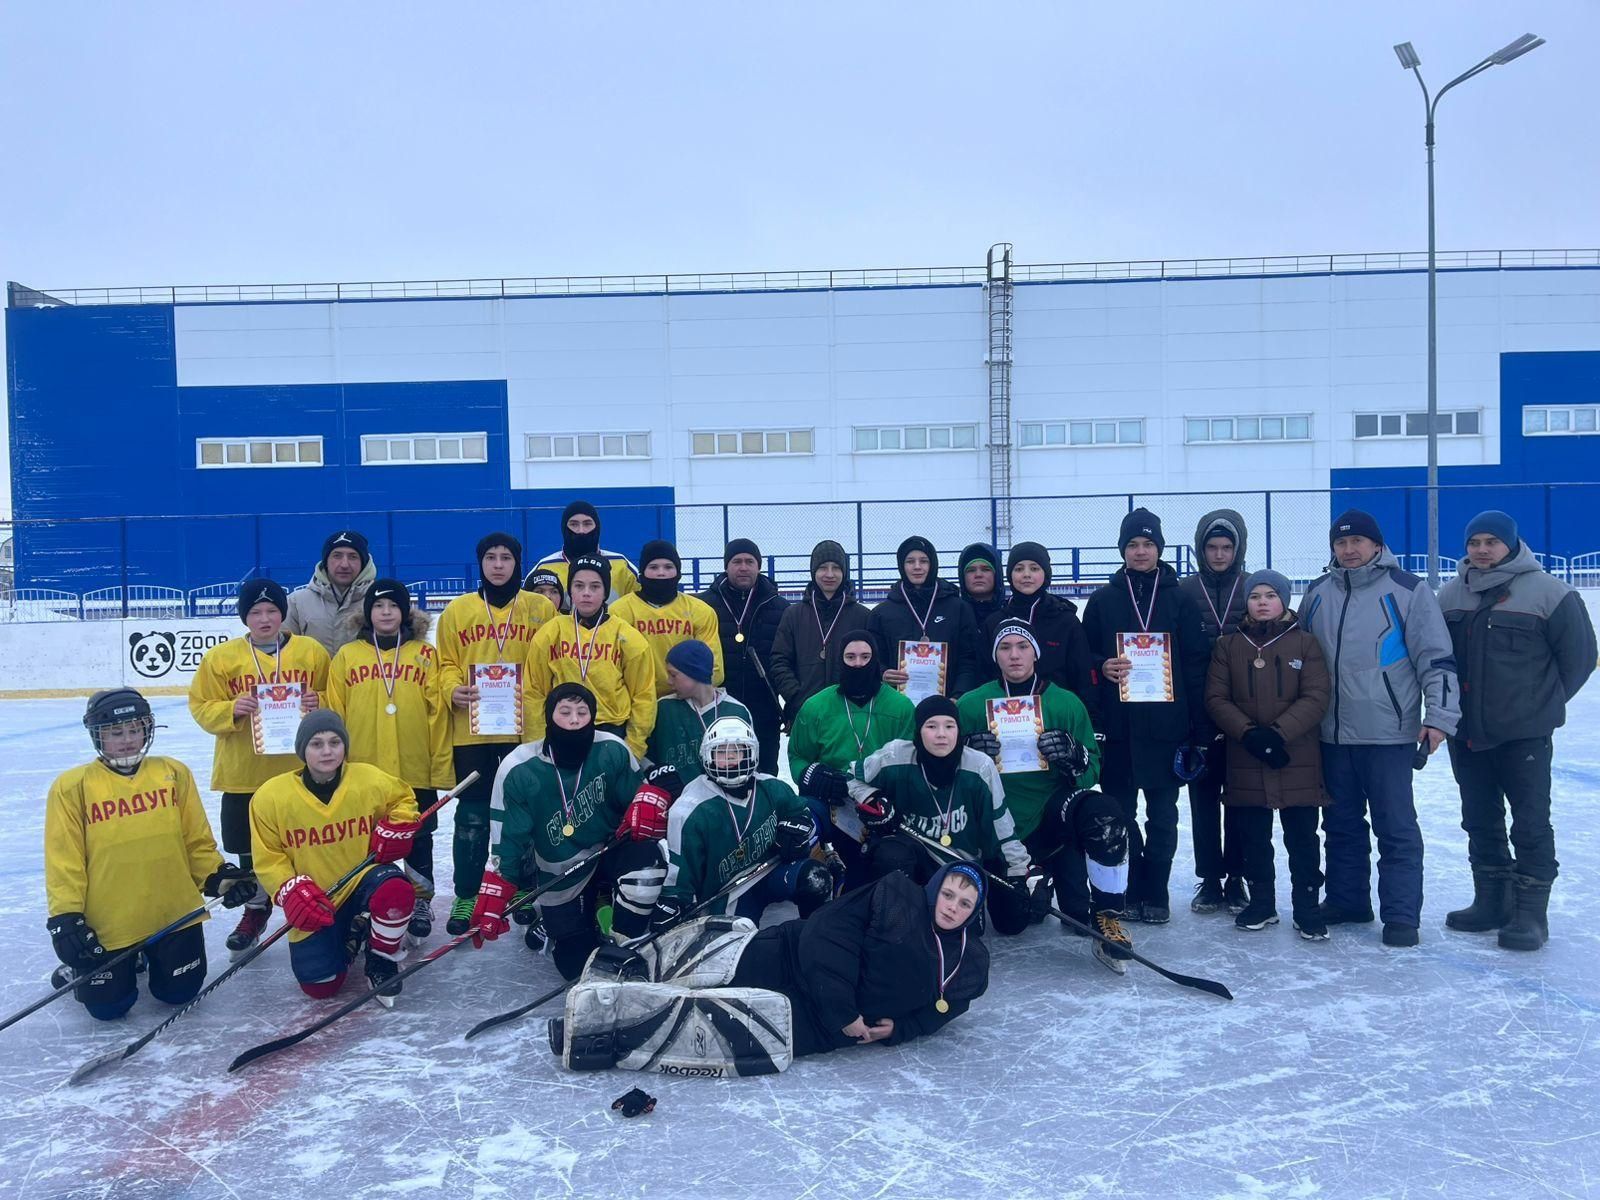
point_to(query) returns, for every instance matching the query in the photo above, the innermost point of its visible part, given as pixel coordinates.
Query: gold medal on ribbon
(944, 839)
(942, 1005)
(739, 637)
(390, 709)
(567, 830)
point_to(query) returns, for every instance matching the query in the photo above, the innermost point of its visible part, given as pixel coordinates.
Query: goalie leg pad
(668, 1029)
(701, 953)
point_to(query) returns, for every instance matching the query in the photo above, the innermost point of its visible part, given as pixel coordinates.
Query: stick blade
(94, 1064)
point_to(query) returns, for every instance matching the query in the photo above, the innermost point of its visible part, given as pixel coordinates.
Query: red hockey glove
(305, 905)
(391, 840)
(489, 913)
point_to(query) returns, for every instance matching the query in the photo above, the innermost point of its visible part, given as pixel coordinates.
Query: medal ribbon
(738, 833)
(938, 944)
(861, 738)
(1144, 621)
(569, 810)
(577, 638)
(738, 622)
(946, 812)
(394, 673)
(277, 657)
(494, 628)
(817, 616)
(922, 621)
(1292, 626)
(1226, 608)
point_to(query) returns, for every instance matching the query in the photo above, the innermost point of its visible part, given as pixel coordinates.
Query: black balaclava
(500, 594)
(573, 545)
(940, 771)
(657, 592)
(568, 747)
(860, 684)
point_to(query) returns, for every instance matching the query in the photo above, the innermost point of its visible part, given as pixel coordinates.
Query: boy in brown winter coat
(1267, 690)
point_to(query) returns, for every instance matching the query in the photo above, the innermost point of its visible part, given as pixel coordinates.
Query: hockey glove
(646, 818)
(391, 840)
(489, 913)
(1034, 885)
(636, 1103)
(667, 914)
(793, 837)
(1267, 745)
(822, 782)
(1064, 752)
(984, 742)
(233, 883)
(523, 914)
(76, 945)
(877, 815)
(305, 905)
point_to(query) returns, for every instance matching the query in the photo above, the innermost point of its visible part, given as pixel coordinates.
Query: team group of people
(628, 814)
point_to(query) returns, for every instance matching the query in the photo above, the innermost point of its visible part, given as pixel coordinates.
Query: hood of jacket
(353, 625)
(1234, 523)
(989, 555)
(322, 586)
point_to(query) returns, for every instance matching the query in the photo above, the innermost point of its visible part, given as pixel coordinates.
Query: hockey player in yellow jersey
(580, 538)
(384, 682)
(607, 655)
(487, 631)
(666, 615)
(311, 826)
(224, 699)
(128, 851)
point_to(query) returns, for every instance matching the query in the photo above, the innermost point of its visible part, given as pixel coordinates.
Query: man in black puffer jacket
(1064, 657)
(748, 609)
(803, 658)
(923, 607)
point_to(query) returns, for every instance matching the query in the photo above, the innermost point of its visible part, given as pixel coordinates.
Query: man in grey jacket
(1524, 645)
(1389, 652)
(338, 586)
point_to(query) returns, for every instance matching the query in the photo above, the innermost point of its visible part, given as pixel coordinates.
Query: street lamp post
(1410, 61)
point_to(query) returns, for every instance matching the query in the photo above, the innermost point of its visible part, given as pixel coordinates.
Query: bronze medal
(567, 830)
(942, 1005)
(1259, 663)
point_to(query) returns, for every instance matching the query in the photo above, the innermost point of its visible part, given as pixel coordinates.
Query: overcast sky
(160, 143)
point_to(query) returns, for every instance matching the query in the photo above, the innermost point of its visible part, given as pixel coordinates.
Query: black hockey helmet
(118, 706)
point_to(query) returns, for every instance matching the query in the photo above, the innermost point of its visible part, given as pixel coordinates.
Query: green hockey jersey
(971, 811)
(681, 727)
(1027, 791)
(711, 837)
(832, 730)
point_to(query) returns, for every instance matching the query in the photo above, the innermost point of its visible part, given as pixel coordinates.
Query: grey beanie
(1274, 580)
(319, 720)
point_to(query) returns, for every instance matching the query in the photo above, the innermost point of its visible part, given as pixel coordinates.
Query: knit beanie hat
(741, 546)
(1029, 552)
(1014, 627)
(319, 720)
(660, 548)
(346, 537)
(1141, 522)
(1355, 523)
(387, 589)
(253, 591)
(692, 658)
(1501, 525)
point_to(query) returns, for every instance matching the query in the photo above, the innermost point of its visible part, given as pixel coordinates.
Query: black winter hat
(1013, 627)
(490, 540)
(387, 589)
(1029, 552)
(346, 537)
(567, 691)
(916, 542)
(543, 577)
(741, 546)
(253, 591)
(934, 706)
(828, 551)
(594, 563)
(659, 548)
(1355, 523)
(1141, 522)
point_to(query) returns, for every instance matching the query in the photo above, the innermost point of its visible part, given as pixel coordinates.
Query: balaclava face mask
(941, 771)
(859, 684)
(568, 747)
(575, 545)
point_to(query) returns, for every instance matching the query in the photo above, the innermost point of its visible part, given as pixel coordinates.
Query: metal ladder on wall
(997, 290)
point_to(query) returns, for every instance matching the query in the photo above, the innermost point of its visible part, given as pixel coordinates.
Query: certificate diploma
(1150, 679)
(497, 712)
(1017, 721)
(924, 664)
(276, 718)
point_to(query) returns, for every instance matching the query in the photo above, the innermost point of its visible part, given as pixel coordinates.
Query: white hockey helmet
(728, 733)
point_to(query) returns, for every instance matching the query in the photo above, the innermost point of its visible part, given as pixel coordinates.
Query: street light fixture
(1411, 62)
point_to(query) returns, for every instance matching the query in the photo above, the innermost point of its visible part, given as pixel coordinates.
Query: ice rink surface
(1341, 1069)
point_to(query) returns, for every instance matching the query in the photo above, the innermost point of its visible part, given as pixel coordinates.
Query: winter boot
(1529, 929)
(381, 972)
(1260, 912)
(1208, 896)
(1332, 914)
(421, 924)
(248, 932)
(1308, 922)
(460, 915)
(1114, 951)
(1235, 895)
(1399, 936)
(1492, 904)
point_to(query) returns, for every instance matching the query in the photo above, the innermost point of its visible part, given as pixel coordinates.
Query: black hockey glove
(634, 1104)
(1064, 752)
(877, 815)
(984, 742)
(1267, 745)
(75, 943)
(1034, 885)
(665, 778)
(793, 838)
(667, 914)
(520, 911)
(232, 882)
(822, 782)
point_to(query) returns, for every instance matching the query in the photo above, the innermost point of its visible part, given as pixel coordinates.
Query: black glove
(793, 837)
(1063, 751)
(635, 1104)
(667, 914)
(822, 782)
(75, 943)
(666, 778)
(877, 815)
(232, 882)
(522, 914)
(1267, 745)
(1035, 885)
(984, 742)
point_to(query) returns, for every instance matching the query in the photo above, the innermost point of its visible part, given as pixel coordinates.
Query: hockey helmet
(724, 734)
(118, 706)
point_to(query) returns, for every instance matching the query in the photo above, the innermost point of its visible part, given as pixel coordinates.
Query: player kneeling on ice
(888, 963)
(730, 819)
(311, 826)
(127, 851)
(557, 802)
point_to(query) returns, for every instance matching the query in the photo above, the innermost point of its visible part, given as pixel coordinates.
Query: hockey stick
(294, 1039)
(133, 1047)
(1210, 986)
(748, 876)
(119, 956)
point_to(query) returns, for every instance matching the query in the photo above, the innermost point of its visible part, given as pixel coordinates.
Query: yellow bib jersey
(413, 742)
(129, 852)
(294, 833)
(624, 575)
(663, 628)
(471, 630)
(233, 669)
(612, 660)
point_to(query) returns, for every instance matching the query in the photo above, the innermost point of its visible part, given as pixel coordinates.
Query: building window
(1292, 427)
(423, 449)
(1559, 422)
(871, 439)
(1462, 423)
(1035, 434)
(711, 443)
(542, 447)
(258, 452)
